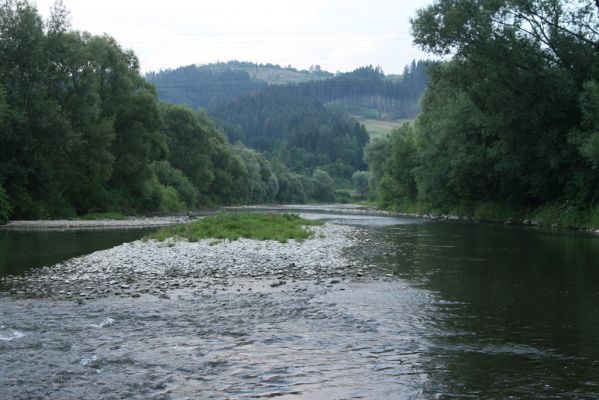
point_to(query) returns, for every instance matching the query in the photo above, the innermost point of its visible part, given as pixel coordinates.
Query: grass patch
(565, 216)
(102, 215)
(231, 226)
(377, 128)
(547, 215)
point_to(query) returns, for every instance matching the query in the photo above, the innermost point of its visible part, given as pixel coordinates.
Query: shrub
(5, 207)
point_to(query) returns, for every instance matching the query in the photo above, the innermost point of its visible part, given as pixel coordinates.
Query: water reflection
(473, 311)
(21, 250)
(525, 305)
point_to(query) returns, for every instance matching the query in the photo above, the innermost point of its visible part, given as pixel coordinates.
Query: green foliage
(5, 207)
(377, 128)
(300, 131)
(291, 188)
(323, 188)
(279, 227)
(80, 125)
(361, 180)
(262, 184)
(565, 215)
(495, 212)
(342, 196)
(169, 176)
(81, 131)
(376, 155)
(587, 137)
(158, 197)
(510, 121)
(365, 91)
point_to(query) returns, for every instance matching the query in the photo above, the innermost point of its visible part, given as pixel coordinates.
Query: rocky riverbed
(133, 222)
(334, 253)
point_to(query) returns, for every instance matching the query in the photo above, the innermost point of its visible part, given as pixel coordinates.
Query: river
(460, 311)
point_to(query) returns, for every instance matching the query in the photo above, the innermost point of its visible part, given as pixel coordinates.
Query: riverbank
(548, 216)
(153, 267)
(64, 224)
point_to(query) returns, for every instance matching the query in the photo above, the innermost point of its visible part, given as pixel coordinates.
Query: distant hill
(366, 91)
(296, 130)
(213, 84)
(272, 74)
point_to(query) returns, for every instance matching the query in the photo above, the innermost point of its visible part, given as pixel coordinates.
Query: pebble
(333, 253)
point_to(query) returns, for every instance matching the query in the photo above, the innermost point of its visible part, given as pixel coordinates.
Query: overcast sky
(340, 35)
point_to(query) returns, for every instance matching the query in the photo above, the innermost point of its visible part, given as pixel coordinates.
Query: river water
(460, 311)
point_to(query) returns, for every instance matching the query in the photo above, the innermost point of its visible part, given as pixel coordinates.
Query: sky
(338, 35)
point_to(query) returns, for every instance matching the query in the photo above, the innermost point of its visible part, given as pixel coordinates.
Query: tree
(506, 119)
(5, 207)
(360, 180)
(323, 189)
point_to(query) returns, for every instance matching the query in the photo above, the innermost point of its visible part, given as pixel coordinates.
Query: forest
(208, 86)
(295, 130)
(509, 123)
(506, 124)
(82, 131)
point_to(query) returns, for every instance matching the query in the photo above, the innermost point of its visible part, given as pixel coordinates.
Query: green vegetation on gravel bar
(280, 227)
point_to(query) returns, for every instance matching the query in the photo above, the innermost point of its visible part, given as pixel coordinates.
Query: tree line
(296, 131)
(511, 119)
(203, 86)
(82, 131)
(212, 85)
(367, 87)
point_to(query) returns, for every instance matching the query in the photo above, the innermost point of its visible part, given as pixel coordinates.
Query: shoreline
(65, 224)
(155, 268)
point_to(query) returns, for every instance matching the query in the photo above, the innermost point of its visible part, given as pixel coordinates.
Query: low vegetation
(102, 215)
(279, 227)
(377, 128)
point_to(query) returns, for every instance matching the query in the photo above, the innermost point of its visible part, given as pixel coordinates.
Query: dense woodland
(82, 131)
(510, 122)
(204, 87)
(508, 125)
(295, 130)
(368, 88)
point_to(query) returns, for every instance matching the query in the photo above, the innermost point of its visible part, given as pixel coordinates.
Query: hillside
(271, 74)
(366, 91)
(296, 130)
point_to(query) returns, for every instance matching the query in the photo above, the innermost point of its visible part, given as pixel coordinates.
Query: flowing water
(22, 250)
(461, 311)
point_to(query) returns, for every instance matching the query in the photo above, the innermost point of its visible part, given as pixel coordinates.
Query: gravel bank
(152, 267)
(95, 224)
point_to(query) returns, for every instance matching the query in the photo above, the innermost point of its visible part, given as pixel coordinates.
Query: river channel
(450, 310)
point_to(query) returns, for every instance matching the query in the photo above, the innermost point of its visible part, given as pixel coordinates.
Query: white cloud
(338, 35)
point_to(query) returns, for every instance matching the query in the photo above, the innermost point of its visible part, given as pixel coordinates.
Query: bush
(342, 196)
(5, 207)
(158, 197)
(361, 180)
(495, 212)
(323, 186)
(170, 176)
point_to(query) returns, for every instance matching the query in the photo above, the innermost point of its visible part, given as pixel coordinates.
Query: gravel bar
(152, 267)
(66, 224)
